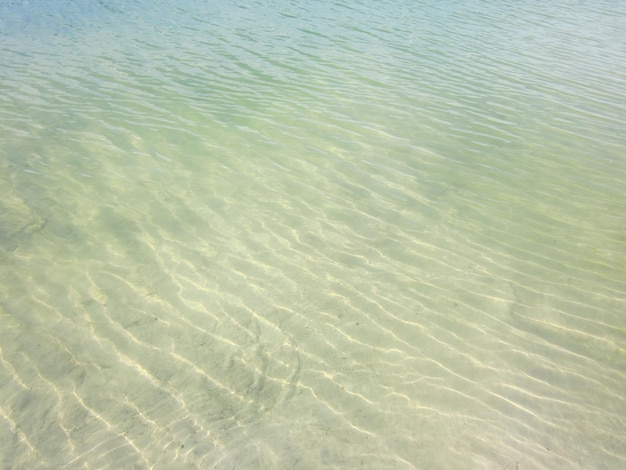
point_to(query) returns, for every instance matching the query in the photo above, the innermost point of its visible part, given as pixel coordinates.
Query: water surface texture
(321, 234)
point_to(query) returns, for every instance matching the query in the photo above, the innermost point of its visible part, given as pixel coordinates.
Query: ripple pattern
(323, 235)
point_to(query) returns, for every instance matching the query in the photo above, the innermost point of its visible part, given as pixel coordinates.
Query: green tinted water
(267, 235)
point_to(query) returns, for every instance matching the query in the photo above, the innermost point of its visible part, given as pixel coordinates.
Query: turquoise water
(323, 234)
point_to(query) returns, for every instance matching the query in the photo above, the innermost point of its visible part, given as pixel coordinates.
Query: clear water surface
(322, 234)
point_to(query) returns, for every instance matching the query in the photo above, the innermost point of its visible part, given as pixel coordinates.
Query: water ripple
(386, 235)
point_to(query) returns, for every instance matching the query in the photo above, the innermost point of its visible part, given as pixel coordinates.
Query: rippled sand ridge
(301, 235)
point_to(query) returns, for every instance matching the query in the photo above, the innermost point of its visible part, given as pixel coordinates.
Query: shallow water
(312, 235)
